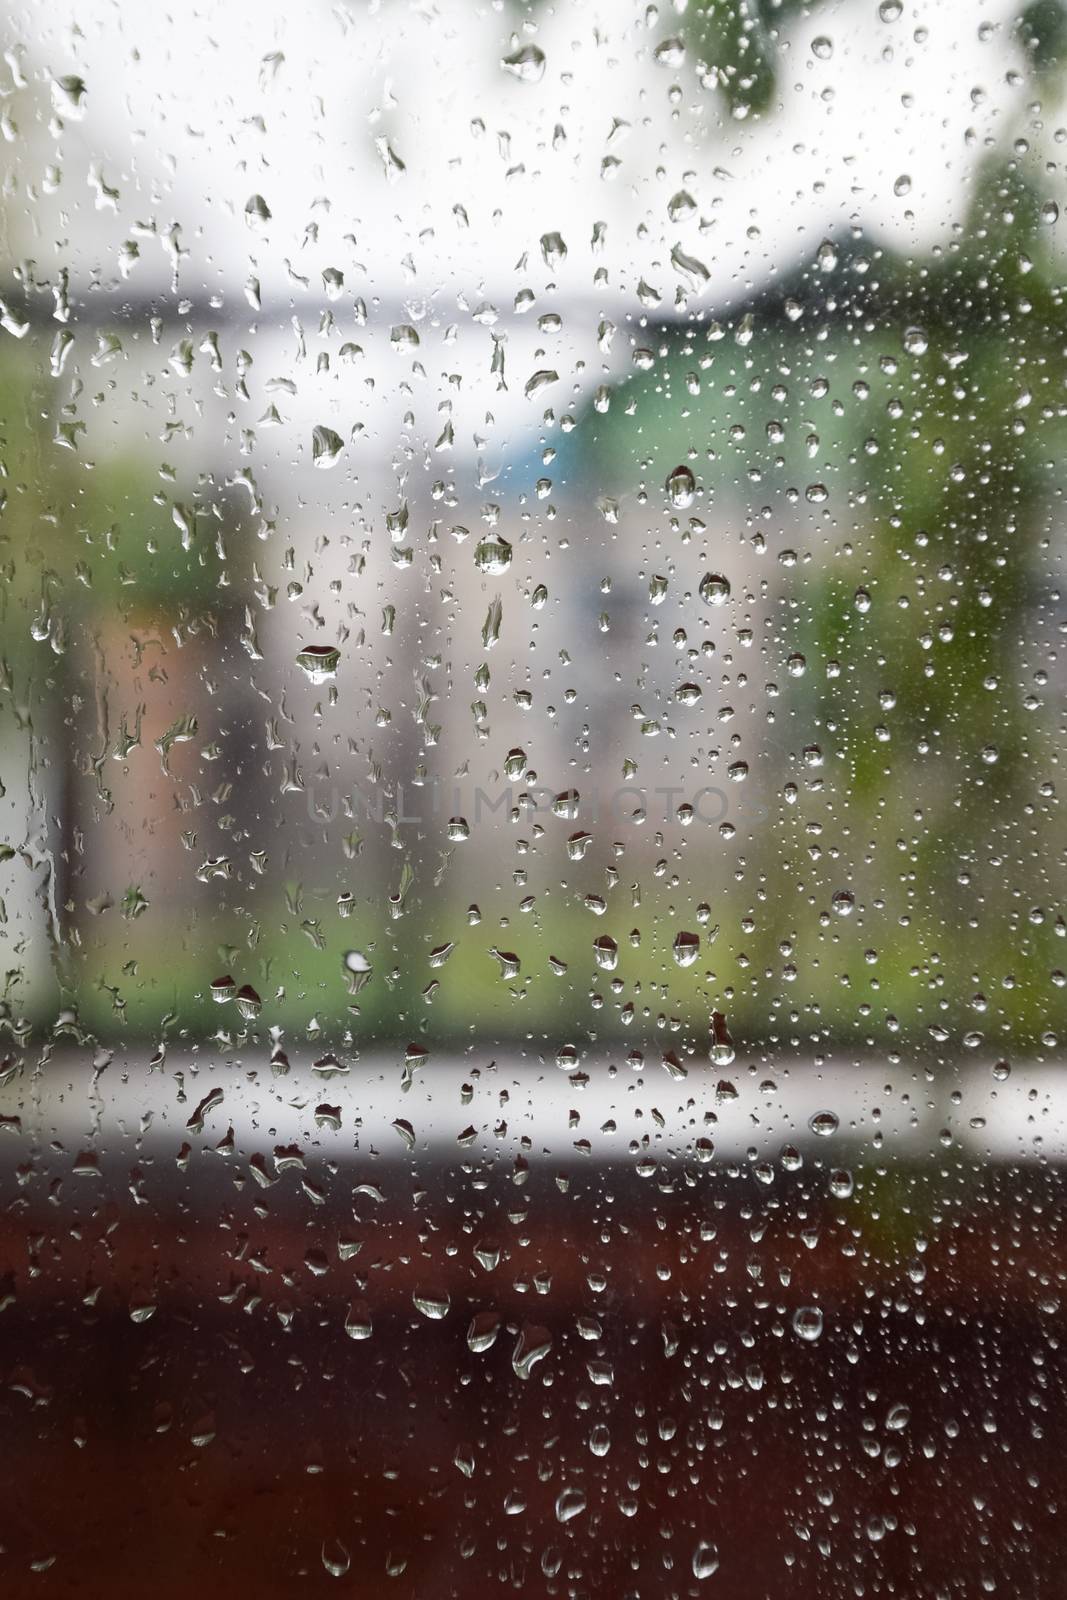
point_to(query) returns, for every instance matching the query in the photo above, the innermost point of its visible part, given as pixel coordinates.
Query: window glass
(531, 863)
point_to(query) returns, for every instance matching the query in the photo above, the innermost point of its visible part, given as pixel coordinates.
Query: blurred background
(531, 871)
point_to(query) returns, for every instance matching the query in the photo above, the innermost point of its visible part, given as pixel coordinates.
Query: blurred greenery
(933, 389)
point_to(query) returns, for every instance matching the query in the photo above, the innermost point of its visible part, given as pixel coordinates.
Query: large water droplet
(493, 556)
(807, 1323)
(722, 1045)
(824, 1123)
(714, 589)
(319, 661)
(527, 63)
(705, 1559)
(326, 446)
(681, 486)
(335, 1558)
(570, 1503)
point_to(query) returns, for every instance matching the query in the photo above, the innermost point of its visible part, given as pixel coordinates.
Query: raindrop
(509, 963)
(248, 1002)
(826, 256)
(722, 1045)
(433, 1306)
(358, 1321)
(527, 63)
(257, 212)
(824, 1123)
(807, 1323)
(681, 206)
(681, 486)
(669, 53)
(714, 589)
(570, 1503)
(68, 93)
(481, 1335)
(335, 1558)
(532, 1345)
(493, 556)
(319, 662)
(357, 970)
(326, 446)
(705, 1560)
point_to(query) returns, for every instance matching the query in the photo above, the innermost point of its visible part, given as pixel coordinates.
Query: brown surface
(317, 1437)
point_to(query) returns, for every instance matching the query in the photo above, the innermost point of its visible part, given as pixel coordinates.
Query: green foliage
(734, 43)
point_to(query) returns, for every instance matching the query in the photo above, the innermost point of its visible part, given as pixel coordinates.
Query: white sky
(172, 100)
(189, 113)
